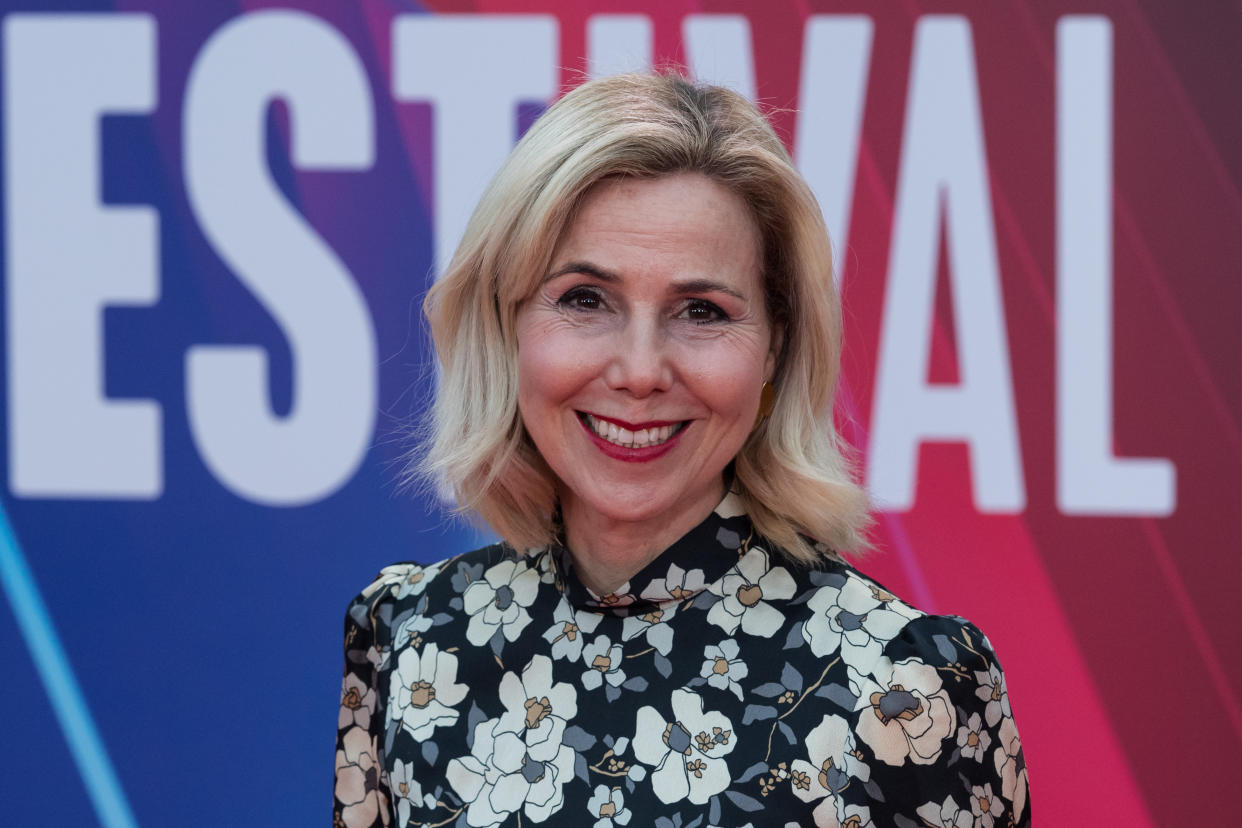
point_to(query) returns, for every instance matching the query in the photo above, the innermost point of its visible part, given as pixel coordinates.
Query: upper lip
(633, 426)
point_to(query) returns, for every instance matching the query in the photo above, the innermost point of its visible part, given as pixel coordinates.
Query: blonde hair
(791, 475)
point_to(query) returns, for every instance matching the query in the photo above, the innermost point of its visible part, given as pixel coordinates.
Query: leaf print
(436, 729)
(758, 712)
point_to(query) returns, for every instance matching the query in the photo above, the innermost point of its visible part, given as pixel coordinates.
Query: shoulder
(402, 594)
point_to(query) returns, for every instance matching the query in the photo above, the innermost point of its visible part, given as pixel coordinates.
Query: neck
(607, 553)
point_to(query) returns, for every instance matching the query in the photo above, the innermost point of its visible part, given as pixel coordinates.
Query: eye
(703, 312)
(581, 299)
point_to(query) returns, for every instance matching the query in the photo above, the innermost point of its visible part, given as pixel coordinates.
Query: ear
(775, 347)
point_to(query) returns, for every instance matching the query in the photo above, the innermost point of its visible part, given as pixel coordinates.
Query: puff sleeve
(362, 797)
(935, 714)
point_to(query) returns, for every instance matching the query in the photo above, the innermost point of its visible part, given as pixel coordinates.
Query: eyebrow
(681, 288)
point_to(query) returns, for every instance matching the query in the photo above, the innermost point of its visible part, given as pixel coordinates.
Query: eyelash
(571, 298)
(718, 315)
(574, 298)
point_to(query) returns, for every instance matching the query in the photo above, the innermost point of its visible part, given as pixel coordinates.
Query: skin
(652, 313)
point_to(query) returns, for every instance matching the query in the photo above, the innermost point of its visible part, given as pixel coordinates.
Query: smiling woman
(640, 363)
(640, 342)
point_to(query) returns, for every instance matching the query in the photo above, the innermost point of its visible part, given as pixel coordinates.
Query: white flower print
(568, 631)
(389, 575)
(853, 619)
(948, 814)
(499, 601)
(679, 584)
(603, 660)
(1007, 758)
(424, 691)
(835, 762)
(534, 706)
(992, 690)
(745, 591)
(973, 739)
(503, 774)
(984, 805)
(607, 805)
(654, 624)
(687, 751)
(416, 579)
(855, 816)
(405, 789)
(906, 713)
(722, 667)
(357, 702)
(357, 780)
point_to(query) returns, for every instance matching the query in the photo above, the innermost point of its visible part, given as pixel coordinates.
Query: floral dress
(723, 686)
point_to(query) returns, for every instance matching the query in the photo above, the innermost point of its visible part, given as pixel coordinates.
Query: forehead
(682, 223)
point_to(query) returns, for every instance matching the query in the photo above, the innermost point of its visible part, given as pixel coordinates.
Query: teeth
(631, 439)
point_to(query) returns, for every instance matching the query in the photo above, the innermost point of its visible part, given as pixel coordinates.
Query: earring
(767, 399)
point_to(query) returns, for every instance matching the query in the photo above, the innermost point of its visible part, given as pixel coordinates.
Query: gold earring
(767, 400)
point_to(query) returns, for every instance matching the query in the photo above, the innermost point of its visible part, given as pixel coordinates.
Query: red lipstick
(637, 454)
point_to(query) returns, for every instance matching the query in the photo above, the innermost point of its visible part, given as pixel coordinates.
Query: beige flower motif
(357, 780)
(906, 713)
(357, 702)
(1012, 774)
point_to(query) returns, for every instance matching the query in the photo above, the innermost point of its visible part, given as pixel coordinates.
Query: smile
(652, 435)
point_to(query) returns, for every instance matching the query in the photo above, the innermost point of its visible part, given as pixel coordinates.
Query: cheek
(547, 374)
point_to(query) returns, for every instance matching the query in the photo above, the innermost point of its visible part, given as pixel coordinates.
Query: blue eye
(581, 299)
(702, 312)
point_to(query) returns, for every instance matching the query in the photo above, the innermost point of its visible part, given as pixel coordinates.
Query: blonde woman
(639, 337)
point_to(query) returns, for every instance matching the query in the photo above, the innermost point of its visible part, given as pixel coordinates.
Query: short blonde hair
(797, 486)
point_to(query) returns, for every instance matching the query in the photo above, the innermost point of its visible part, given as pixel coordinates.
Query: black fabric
(724, 686)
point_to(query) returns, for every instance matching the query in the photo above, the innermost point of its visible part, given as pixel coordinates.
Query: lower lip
(642, 454)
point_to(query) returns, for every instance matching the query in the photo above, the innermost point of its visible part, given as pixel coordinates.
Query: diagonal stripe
(62, 688)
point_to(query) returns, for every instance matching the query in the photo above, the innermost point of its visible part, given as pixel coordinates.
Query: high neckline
(691, 564)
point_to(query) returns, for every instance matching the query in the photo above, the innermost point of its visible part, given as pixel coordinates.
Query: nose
(640, 362)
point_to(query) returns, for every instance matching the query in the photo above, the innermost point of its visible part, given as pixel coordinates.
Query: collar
(696, 560)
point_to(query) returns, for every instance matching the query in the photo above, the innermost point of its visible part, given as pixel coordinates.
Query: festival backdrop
(220, 219)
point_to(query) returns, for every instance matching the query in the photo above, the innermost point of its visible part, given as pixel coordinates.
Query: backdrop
(219, 222)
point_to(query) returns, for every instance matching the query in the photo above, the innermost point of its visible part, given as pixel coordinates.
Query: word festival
(70, 255)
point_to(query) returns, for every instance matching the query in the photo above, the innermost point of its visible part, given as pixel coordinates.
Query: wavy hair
(791, 474)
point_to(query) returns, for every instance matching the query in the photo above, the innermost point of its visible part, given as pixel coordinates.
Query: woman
(639, 336)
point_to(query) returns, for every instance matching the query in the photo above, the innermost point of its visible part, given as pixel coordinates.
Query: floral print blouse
(723, 686)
